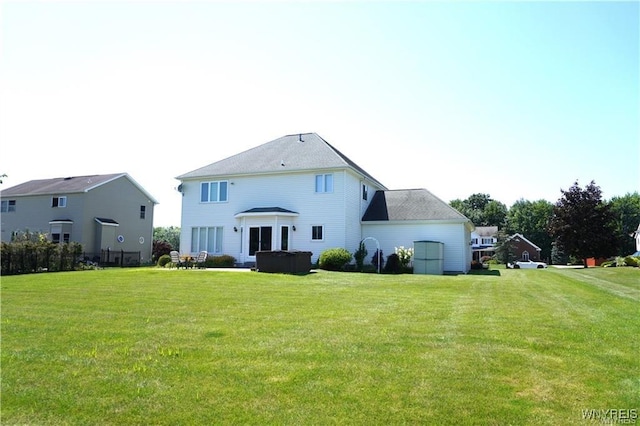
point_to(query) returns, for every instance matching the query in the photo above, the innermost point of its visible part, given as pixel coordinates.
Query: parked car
(527, 264)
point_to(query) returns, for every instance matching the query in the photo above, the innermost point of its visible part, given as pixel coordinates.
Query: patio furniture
(201, 259)
(175, 259)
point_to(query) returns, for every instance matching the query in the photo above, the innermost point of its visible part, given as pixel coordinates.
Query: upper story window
(59, 202)
(8, 206)
(143, 212)
(213, 192)
(364, 192)
(324, 183)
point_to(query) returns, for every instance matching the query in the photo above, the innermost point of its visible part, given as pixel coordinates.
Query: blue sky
(513, 99)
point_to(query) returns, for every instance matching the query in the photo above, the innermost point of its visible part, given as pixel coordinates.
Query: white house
(483, 241)
(298, 192)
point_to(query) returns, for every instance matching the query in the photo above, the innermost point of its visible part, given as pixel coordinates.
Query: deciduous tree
(531, 219)
(583, 223)
(626, 212)
(482, 210)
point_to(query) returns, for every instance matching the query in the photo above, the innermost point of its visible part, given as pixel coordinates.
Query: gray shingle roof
(306, 151)
(409, 204)
(66, 185)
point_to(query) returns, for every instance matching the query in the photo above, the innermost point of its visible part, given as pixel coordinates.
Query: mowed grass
(149, 346)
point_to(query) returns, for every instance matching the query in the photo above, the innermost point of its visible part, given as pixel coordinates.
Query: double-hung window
(8, 206)
(317, 232)
(324, 183)
(214, 192)
(59, 202)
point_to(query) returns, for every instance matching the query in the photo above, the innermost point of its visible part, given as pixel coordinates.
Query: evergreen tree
(505, 251)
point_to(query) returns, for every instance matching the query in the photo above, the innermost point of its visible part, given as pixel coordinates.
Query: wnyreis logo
(611, 415)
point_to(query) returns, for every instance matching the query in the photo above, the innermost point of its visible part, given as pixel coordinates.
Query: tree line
(580, 224)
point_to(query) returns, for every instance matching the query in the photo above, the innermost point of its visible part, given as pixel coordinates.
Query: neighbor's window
(143, 212)
(487, 241)
(324, 183)
(316, 232)
(474, 241)
(8, 206)
(59, 202)
(525, 255)
(206, 238)
(55, 237)
(213, 192)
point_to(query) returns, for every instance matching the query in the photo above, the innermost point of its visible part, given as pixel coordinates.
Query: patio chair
(200, 260)
(175, 259)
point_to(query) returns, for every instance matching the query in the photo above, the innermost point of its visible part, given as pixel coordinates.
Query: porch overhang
(267, 211)
(106, 221)
(61, 222)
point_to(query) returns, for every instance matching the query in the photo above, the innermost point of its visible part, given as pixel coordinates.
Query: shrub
(334, 259)
(359, 256)
(224, 261)
(163, 260)
(393, 264)
(632, 261)
(159, 249)
(620, 261)
(404, 256)
(375, 258)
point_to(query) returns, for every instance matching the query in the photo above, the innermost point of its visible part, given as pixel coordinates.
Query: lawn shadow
(490, 272)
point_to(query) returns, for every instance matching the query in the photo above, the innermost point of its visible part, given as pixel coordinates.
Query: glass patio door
(259, 239)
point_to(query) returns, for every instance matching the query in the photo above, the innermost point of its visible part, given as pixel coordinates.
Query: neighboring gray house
(298, 192)
(102, 212)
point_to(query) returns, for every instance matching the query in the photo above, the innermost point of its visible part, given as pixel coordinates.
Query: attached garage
(399, 217)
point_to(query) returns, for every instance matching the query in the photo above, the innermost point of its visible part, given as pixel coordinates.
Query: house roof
(525, 240)
(68, 185)
(409, 204)
(304, 151)
(486, 231)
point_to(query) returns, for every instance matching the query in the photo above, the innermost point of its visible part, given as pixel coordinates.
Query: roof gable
(305, 151)
(68, 185)
(521, 237)
(409, 204)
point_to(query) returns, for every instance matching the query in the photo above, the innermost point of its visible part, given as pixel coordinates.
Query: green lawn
(150, 346)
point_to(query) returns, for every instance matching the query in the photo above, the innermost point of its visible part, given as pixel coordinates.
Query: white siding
(292, 191)
(454, 236)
